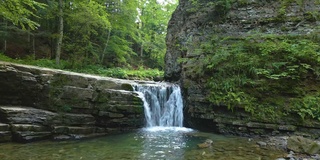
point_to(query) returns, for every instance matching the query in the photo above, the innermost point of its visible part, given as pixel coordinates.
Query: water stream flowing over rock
(162, 103)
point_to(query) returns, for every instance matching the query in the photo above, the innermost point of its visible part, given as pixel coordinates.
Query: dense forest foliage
(86, 35)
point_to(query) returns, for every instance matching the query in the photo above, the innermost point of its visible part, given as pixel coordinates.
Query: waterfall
(162, 104)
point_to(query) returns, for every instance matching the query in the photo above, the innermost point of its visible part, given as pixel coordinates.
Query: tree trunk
(60, 32)
(33, 46)
(6, 32)
(5, 45)
(141, 50)
(105, 47)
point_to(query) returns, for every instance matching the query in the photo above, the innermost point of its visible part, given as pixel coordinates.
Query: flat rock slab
(28, 127)
(29, 136)
(100, 82)
(25, 115)
(71, 119)
(4, 127)
(73, 130)
(28, 115)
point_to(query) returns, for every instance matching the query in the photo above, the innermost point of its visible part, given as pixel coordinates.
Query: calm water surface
(170, 143)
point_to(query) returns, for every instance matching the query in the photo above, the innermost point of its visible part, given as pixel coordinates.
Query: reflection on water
(170, 143)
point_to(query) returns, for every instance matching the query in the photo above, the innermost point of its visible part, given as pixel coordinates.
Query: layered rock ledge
(195, 22)
(39, 103)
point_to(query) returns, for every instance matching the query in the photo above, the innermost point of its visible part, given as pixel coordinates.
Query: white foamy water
(164, 129)
(163, 104)
(164, 134)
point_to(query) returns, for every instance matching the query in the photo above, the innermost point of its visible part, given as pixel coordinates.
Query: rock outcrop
(38, 103)
(194, 22)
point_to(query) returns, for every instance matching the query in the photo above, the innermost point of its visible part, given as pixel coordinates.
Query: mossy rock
(127, 87)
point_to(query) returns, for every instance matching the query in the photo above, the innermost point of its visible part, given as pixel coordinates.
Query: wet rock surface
(206, 144)
(303, 145)
(297, 147)
(5, 132)
(236, 149)
(39, 103)
(26, 124)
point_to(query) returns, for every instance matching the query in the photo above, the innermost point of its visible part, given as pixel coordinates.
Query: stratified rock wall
(38, 103)
(193, 24)
(190, 25)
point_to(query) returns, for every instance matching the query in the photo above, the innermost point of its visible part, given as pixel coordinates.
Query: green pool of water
(156, 143)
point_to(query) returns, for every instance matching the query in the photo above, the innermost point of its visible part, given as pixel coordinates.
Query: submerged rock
(303, 145)
(206, 144)
(262, 144)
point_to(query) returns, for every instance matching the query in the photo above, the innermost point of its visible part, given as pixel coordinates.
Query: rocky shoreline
(298, 147)
(295, 147)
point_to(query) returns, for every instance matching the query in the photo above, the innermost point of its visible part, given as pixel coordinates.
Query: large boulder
(303, 145)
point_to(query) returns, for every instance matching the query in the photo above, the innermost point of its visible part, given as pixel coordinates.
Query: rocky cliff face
(39, 103)
(195, 21)
(192, 23)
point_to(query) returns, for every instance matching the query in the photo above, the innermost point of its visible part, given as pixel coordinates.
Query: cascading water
(164, 133)
(162, 104)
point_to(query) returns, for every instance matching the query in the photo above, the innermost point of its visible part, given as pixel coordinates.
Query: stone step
(28, 115)
(73, 130)
(4, 127)
(71, 119)
(126, 108)
(29, 136)
(28, 127)
(25, 115)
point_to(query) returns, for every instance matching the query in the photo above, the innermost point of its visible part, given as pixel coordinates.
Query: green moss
(137, 101)
(56, 89)
(103, 98)
(126, 87)
(312, 16)
(243, 3)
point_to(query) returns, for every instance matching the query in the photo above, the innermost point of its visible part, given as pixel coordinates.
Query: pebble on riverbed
(262, 144)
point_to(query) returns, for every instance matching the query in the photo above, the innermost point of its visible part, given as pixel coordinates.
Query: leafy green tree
(153, 25)
(16, 14)
(86, 26)
(48, 30)
(20, 12)
(112, 33)
(123, 33)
